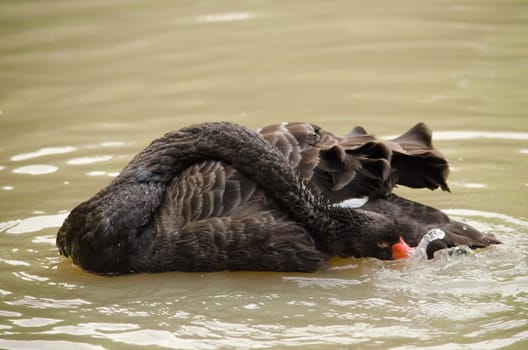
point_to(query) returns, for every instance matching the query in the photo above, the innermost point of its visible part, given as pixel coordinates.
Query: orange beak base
(401, 250)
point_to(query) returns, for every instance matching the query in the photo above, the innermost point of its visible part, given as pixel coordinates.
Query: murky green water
(86, 85)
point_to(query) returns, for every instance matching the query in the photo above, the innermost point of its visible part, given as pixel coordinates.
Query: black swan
(218, 196)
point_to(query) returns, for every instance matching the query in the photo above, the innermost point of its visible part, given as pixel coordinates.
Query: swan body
(218, 196)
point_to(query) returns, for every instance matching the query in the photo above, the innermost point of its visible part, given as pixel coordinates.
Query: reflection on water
(85, 86)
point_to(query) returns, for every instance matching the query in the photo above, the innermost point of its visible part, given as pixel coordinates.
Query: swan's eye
(383, 245)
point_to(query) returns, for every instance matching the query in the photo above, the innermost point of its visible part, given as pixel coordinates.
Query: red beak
(401, 250)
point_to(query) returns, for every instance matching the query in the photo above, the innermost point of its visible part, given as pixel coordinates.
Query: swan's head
(388, 249)
(377, 236)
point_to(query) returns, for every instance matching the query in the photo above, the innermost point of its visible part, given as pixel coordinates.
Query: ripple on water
(46, 344)
(43, 152)
(33, 223)
(472, 185)
(102, 173)
(35, 322)
(127, 333)
(35, 169)
(108, 144)
(226, 17)
(29, 277)
(90, 328)
(89, 160)
(324, 283)
(488, 215)
(469, 135)
(48, 303)
(13, 262)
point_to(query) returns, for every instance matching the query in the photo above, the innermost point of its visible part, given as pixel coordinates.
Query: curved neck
(117, 218)
(251, 154)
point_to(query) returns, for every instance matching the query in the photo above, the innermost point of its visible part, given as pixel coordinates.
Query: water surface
(86, 85)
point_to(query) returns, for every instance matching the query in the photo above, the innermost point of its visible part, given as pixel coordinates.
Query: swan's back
(359, 164)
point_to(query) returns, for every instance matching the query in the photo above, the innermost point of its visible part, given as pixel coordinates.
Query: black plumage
(218, 196)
